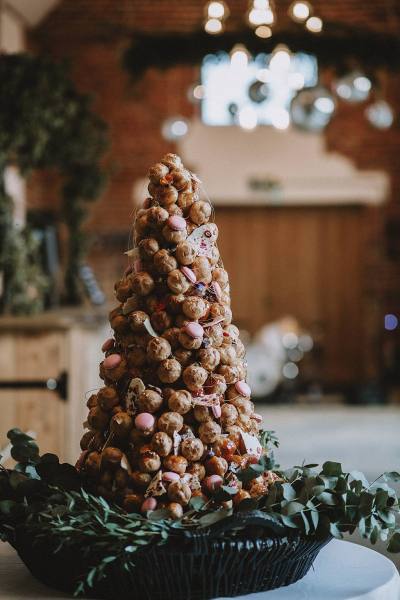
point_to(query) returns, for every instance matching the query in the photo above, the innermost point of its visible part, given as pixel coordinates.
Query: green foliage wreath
(46, 499)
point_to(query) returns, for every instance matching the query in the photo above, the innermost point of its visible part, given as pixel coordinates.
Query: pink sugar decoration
(195, 330)
(112, 361)
(189, 274)
(108, 344)
(243, 388)
(176, 223)
(144, 421)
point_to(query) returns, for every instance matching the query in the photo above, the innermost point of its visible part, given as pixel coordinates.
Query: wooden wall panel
(30, 357)
(305, 262)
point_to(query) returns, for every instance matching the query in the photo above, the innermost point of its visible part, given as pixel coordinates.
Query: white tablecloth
(342, 571)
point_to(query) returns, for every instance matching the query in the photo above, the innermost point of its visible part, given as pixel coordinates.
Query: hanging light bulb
(314, 24)
(300, 11)
(216, 13)
(261, 12)
(175, 128)
(239, 56)
(354, 87)
(216, 10)
(263, 31)
(213, 26)
(380, 114)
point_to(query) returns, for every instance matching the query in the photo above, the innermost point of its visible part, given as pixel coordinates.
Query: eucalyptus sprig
(333, 502)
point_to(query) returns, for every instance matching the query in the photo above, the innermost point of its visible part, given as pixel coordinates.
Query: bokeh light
(391, 322)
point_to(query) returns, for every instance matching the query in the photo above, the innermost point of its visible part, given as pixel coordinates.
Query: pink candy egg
(149, 504)
(189, 274)
(212, 483)
(194, 329)
(176, 223)
(216, 410)
(217, 290)
(243, 388)
(112, 361)
(169, 476)
(108, 344)
(144, 421)
(257, 417)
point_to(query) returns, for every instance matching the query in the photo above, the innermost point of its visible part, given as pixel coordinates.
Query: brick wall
(91, 34)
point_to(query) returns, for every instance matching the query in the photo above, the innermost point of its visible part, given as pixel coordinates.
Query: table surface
(342, 571)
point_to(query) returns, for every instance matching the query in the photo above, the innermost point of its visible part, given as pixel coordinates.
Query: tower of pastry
(174, 418)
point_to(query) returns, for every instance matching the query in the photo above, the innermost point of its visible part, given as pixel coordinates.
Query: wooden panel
(305, 262)
(25, 357)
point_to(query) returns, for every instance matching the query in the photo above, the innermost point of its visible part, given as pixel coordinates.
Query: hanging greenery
(46, 123)
(336, 46)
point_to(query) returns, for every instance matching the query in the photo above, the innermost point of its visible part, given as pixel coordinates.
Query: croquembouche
(174, 418)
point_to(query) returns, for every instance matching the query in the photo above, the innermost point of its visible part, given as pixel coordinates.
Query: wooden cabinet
(42, 348)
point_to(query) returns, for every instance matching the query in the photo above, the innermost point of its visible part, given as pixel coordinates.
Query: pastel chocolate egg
(170, 476)
(217, 290)
(108, 344)
(194, 330)
(144, 421)
(149, 504)
(189, 274)
(243, 388)
(216, 410)
(112, 361)
(176, 223)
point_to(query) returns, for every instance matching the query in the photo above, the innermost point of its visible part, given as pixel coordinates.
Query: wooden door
(305, 262)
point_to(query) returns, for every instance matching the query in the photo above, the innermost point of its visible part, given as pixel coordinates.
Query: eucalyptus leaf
(394, 543)
(197, 503)
(392, 476)
(358, 476)
(213, 517)
(332, 469)
(327, 498)
(158, 515)
(335, 531)
(292, 508)
(289, 493)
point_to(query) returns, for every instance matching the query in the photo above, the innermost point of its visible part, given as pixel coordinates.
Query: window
(252, 91)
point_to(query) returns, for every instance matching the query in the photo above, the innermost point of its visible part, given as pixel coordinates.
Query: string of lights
(261, 16)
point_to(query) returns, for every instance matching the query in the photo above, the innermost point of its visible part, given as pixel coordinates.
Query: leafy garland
(46, 123)
(46, 498)
(336, 46)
